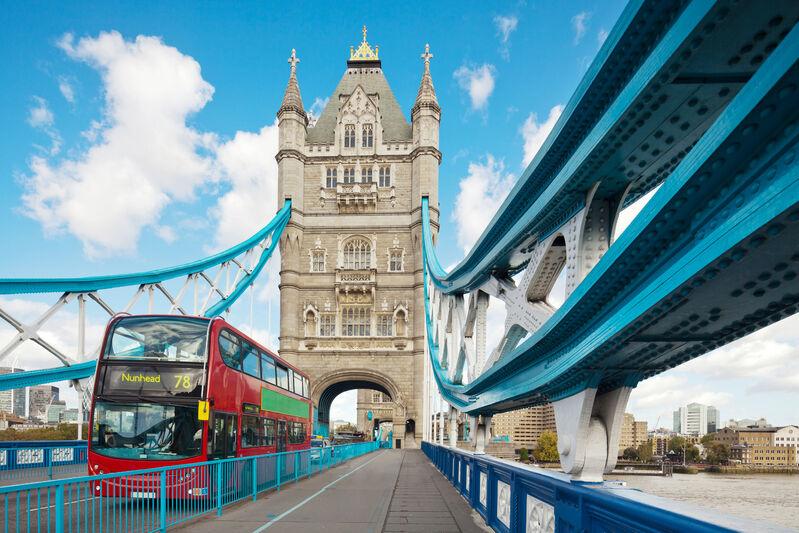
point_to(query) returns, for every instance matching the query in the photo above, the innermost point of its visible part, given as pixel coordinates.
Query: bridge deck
(388, 490)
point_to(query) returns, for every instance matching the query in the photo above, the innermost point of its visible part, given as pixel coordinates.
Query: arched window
(355, 321)
(357, 254)
(349, 136)
(367, 136)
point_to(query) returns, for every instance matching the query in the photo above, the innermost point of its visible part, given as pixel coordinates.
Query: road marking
(312, 496)
(65, 503)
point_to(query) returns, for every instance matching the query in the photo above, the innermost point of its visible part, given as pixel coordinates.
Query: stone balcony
(355, 286)
(356, 197)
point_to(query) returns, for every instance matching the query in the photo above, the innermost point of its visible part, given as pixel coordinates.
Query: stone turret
(426, 119)
(292, 126)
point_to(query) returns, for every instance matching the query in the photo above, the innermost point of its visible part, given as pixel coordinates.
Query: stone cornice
(426, 150)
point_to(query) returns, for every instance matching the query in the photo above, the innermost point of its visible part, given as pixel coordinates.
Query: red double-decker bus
(173, 390)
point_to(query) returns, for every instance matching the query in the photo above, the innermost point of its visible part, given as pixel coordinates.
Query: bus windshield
(146, 431)
(158, 339)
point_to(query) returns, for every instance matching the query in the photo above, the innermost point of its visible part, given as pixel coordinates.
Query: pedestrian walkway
(388, 490)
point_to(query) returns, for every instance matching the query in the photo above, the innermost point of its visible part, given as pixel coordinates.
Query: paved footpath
(387, 490)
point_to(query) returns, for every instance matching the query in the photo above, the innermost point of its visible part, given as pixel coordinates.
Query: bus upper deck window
(158, 338)
(229, 350)
(268, 369)
(282, 377)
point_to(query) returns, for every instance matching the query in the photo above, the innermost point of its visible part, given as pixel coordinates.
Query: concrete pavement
(388, 490)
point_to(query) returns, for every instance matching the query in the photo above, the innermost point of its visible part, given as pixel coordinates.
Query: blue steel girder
(710, 259)
(630, 139)
(32, 378)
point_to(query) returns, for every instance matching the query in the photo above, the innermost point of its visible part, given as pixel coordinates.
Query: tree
(708, 439)
(524, 455)
(718, 453)
(645, 452)
(691, 454)
(547, 449)
(676, 444)
(630, 454)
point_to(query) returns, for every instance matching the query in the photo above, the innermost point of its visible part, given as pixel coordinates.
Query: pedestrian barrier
(515, 498)
(39, 460)
(157, 498)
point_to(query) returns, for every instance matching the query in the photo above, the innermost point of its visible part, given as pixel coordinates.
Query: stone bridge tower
(351, 308)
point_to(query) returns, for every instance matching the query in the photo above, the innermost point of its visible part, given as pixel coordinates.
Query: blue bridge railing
(158, 498)
(512, 497)
(39, 460)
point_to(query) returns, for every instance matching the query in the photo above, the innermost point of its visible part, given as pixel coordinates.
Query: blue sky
(141, 135)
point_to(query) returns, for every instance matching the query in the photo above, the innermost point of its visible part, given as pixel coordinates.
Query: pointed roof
(426, 97)
(292, 100)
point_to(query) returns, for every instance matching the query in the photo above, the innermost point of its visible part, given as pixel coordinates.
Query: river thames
(770, 497)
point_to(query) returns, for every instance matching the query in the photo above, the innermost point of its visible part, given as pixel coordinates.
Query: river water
(770, 497)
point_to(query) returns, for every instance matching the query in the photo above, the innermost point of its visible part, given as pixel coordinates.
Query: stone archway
(325, 389)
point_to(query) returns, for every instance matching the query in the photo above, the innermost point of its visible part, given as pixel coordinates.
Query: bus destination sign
(153, 381)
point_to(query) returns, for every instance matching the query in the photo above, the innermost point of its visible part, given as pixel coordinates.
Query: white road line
(65, 503)
(312, 496)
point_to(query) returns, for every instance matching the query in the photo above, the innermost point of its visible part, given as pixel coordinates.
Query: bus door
(281, 435)
(223, 436)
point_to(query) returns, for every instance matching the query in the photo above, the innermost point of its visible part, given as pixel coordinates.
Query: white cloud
(535, 133)
(316, 109)
(344, 407)
(143, 157)
(481, 193)
(67, 91)
(580, 25)
(248, 162)
(478, 82)
(40, 116)
(166, 233)
(601, 36)
(505, 26)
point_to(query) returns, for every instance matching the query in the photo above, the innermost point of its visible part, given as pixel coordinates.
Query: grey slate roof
(395, 127)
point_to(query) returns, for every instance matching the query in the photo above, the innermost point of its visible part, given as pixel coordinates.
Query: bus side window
(291, 380)
(298, 384)
(250, 361)
(223, 443)
(306, 389)
(268, 369)
(269, 432)
(282, 377)
(229, 349)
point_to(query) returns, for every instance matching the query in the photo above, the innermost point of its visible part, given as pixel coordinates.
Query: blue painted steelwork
(32, 378)
(37, 460)
(515, 498)
(704, 263)
(159, 498)
(95, 283)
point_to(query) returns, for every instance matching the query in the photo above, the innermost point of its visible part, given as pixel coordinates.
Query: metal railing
(41, 460)
(512, 497)
(157, 498)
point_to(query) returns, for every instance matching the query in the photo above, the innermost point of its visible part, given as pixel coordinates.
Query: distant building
(696, 419)
(523, 427)
(69, 416)
(728, 436)
(633, 433)
(55, 411)
(788, 436)
(748, 422)
(335, 424)
(11, 400)
(41, 396)
(377, 403)
(757, 436)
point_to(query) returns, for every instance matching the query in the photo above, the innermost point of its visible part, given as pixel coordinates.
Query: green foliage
(718, 453)
(59, 432)
(547, 449)
(524, 455)
(676, 444)
(708, 439)
(692, 454)
(630, 454)
(645, 452)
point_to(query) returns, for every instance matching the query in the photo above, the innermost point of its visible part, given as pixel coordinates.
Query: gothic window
(385, 177)
(395, 261)
(366, 175)
(349, 174)
(377, 397)
(384, 325)
(318, 261)
(355, 321)
(357, 254)
(327, 325)
(367, 136)
(349, 136)
(330, 181)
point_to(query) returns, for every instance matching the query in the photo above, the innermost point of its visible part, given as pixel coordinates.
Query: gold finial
(427, 56)
(293, 60)
(364, 52)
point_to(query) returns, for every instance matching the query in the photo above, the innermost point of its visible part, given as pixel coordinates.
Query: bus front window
(158, 339)
(146, 431)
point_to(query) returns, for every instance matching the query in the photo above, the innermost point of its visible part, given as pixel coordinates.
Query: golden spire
(364, 51)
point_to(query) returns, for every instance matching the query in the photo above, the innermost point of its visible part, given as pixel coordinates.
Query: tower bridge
(696, 99)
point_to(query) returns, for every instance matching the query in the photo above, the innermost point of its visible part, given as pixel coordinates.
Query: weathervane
(293, 60)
